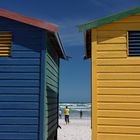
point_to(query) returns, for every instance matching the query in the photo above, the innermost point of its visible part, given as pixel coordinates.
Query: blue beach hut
(30, 52)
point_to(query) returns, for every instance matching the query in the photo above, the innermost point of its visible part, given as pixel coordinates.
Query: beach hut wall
(113, 44)
(30, 52)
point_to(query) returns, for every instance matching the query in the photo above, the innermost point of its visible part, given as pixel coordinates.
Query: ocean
(75, 109)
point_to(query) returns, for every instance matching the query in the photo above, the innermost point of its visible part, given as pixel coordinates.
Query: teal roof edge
(99, 22)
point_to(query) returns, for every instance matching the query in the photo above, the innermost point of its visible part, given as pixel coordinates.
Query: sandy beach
(78, 129)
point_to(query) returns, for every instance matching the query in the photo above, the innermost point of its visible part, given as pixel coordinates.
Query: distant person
(81, 114)
(67, 113)
(60, 114)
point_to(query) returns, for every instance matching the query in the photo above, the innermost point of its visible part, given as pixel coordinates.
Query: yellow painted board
(119, 69)
(111, 34)
(118, 91)
(118, 83)
(119, 106)
(119, 61)
(118, 137)
(5, 48)
(119, 129)
(111, 40)
(5, 41)
(111, 47)
(5, 38)
(119, 98)
(120, 26)
(112, 54)
(4, 51)
(119, 121)
(5, 35)
(94, 85)
(118, 76)
(4, 54)
(5, 45)
(118, 114)
(131, 19)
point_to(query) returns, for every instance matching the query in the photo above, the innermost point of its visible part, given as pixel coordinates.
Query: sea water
(75, 109)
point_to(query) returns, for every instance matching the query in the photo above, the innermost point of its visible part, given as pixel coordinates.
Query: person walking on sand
(81, 114)
(67, 113)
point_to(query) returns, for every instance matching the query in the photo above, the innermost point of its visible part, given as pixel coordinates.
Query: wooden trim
(109, 19)
(127, 43)
(42, 87)
(28, 20)
(58, 98)
(94, 85)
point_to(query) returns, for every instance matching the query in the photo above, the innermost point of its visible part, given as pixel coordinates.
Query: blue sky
(75, 81)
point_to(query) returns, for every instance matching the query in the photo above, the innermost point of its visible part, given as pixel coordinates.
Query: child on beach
(67, 113)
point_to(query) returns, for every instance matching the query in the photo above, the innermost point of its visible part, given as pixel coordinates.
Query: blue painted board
(25, 54)
(21, 68)
(9, 61)
(18, 113)
(19, 128)
(20, 90)
(20, 47)
(19, 105)
(19, 120)
(22, 98)
(21, 76)
(18, 136)
(21, 83)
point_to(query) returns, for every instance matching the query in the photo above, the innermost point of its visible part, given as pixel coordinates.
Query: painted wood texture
(51, 99)
(117, 77)
(19, 81)
(5, 43)
(94, 86)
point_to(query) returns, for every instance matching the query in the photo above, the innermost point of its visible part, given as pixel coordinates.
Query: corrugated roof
(28, 20)
(109, 19)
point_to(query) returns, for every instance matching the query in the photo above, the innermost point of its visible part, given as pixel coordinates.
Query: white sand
(76, 130)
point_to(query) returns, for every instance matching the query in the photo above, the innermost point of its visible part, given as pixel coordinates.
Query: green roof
(109, 19)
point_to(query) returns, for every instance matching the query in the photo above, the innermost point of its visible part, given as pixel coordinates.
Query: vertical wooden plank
(52, 66)
(127, 44)
(42, 87)
(58, 97)
(94, 85)
(46, 93)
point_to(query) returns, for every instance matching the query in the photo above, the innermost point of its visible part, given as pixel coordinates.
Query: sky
(75, 74)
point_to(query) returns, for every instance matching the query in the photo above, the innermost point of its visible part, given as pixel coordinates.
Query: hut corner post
(94, 84)
(42, 88)
(56, 135)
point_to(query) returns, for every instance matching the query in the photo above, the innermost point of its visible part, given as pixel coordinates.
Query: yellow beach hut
(113, 44)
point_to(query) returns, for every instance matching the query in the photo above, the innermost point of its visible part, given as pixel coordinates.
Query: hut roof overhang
(50, 27)
(86, 27)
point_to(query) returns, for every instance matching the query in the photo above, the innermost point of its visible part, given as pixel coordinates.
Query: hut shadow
(111, 37)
